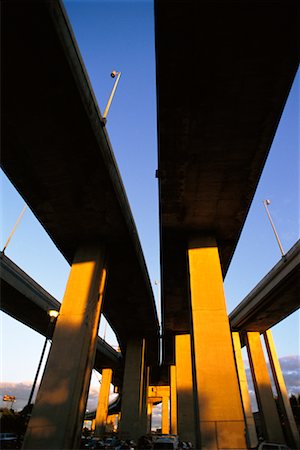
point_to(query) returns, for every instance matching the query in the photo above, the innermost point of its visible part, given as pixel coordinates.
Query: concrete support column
(173, 400)
(165, 418)
(220, 414)
(133, 387)
(103, 400)
(283, 398)
(251, 435)
(149, 417)
(60, 404)
(184, 385)
(144, 414)
(262, 384)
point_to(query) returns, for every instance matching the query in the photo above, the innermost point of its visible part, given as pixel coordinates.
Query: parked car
(8, 440)
(165, 443)
(270, 446)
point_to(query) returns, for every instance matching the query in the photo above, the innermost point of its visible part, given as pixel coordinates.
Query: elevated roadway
(274, 298)
(224, 72)
(26, 301)
(57, 154)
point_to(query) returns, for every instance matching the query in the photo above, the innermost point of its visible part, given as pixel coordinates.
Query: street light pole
(53, 315)
(113, 75)
(266, 204)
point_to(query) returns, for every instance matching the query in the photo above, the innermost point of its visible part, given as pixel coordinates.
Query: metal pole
(53, 316)
(113, 74)
(37, 372)
(14, 228)
(266, 203)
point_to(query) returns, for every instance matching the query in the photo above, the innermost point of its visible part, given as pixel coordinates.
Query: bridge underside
(273, 299)
(224, 71)
(58, 156)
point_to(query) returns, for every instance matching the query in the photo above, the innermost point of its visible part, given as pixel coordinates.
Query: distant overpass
(26, 301)
(56, 152)
(274, 298)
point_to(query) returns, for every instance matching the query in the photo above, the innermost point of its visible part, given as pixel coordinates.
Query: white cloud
(290, 366)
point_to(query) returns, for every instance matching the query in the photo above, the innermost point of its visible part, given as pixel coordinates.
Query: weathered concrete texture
(132, 392)
(283, 398)
(102, 407)
(184, 384)
(60, 404)
(221, 419)
(251, 434)
(264, 395)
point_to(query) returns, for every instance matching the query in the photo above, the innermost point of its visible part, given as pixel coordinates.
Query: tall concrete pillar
(144, 413)
(165, 417)
(59, 408)
(133, 388)
(184, 385)
(283, 398)
(251, 435)
(173, 400)
(220, 413)
(149, 416)
(103, 400)
(262, 385)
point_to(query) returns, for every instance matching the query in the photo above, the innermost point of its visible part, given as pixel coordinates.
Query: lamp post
(266, 204)
(116, 75)
(53, 316)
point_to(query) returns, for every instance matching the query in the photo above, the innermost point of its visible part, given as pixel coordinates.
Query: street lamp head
(114, 73)
(267, 202)
(53, 314)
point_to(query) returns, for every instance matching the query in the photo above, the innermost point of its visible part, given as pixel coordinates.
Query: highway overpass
(57, 154)
(224, 71)
(274, 298)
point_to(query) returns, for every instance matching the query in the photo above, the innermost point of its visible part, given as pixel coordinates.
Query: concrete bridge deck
(58, 156)
(224, 71)
(274, 298)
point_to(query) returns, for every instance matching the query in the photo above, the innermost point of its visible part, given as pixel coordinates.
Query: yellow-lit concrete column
(262, 384)
(283, 398)
(144, 414)
(250, 424)
(103, 400)
(165, 417)
(133, 387)
(60, 404)
(149, 416)
(173, 400)
(184, 385)
(221, 419)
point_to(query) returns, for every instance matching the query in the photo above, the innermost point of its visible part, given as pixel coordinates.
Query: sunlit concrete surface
(26, 301)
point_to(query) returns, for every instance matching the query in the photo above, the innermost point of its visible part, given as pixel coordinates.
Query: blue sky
(119, 36)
